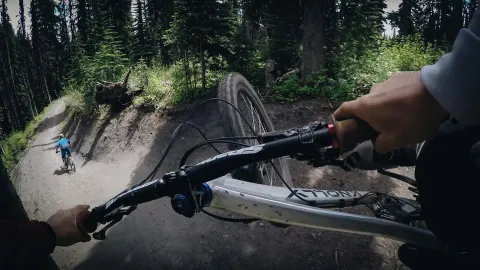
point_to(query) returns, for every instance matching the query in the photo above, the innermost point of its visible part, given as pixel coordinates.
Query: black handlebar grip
(86, 222)
(349, 133)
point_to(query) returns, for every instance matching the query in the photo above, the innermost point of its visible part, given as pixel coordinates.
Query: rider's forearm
(24, 245)
(454, 80)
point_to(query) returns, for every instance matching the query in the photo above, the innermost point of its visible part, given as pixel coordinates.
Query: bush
(354, 75)
(109, 63)
(166, 86)
(292, 88)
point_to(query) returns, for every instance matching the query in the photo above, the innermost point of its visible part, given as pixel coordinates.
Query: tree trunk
(202, 63)
(29, 88)
(12, 87)
(72, 23)
(5, 107)
(30, 98)
(313, 57)
(185, 68)
(42, 66)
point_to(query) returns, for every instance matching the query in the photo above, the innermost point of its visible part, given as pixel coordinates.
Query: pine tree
(17, 100)
(406, 25)
(313, 57)
(64, 38)
(139, 46)
(22, 18)
(284, 27)
(109, 61)
(9, 97)
(83, 22)
(119, 16)
(47, 48)
(159, 16)
(361, 23)
(71, 4)
(472, 7)
(200, 26)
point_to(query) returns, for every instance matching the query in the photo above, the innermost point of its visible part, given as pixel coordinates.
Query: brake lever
(347, 164)
(114, 218)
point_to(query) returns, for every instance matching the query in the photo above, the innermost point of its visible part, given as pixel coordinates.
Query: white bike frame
(278, 204)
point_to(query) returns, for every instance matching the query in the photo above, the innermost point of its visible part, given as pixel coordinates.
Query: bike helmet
(61, 135)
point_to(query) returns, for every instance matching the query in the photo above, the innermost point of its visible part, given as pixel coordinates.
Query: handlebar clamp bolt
(181, 205)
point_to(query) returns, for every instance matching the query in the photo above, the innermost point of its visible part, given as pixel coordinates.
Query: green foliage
(109, 64)
(356, 74)
(248, 56)
(293, 88)
(17, 142)
(165, 86)
(200, 28)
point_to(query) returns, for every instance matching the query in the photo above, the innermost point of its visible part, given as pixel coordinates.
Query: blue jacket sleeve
(454, 80)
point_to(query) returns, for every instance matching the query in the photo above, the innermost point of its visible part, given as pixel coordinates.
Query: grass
(16, 143)
(167, 86)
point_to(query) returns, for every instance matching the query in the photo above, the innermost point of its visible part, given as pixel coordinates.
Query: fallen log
(115, 93)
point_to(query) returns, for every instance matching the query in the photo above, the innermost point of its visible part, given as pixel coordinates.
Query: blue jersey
(63, 143)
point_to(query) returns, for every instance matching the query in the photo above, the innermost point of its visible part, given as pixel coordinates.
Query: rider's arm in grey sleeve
(454, 80)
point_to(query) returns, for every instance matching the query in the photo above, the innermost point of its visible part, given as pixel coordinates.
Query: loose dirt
(119, 149)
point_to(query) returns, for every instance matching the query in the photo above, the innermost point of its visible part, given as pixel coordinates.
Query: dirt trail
(119, 150)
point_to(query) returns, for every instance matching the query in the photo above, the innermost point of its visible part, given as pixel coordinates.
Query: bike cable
(177, 131)
(242, 220)
(227, 140)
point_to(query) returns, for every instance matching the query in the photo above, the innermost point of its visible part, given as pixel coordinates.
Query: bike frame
(271, 203)
(277, 204)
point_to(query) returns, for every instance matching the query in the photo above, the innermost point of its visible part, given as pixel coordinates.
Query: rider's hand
(400, 109)
(64, 225)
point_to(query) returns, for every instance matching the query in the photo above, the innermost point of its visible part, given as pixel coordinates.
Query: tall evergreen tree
(119, 15)
(83, 22)
(200, 26)
(64, 38)
(159, 16)
(71, 20)
(139, 46)
(313, 58)
(284, 27)
(47, 48)
(22, 18)
(7, 69)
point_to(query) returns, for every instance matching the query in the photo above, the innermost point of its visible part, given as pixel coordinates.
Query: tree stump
(115, 93)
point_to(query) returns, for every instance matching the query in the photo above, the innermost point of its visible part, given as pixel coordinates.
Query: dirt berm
(120, 149)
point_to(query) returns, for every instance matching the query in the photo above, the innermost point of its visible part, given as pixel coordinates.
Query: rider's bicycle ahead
(65, 147)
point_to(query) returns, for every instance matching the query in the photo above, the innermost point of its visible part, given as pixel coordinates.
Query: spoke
(266, 169)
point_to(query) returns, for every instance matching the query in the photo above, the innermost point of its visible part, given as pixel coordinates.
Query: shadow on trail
(49, 149)
(81, 126)
(98, 138)
(51, 121)
(61, 172)
(155, 236)
(44, 144)
(133, 127)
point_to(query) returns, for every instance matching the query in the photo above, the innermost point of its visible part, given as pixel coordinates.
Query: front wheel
(72, 165)
(237, 90)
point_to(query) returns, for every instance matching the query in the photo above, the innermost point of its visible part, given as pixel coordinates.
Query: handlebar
(351, 132)
(85, 222)
(342, 136)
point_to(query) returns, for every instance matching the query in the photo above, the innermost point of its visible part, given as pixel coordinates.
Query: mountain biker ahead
(65, 147)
